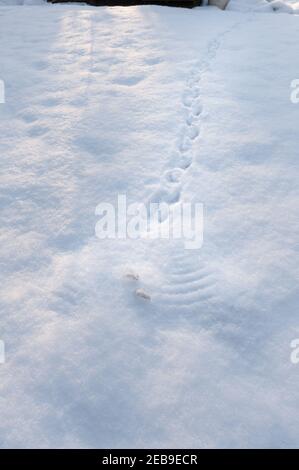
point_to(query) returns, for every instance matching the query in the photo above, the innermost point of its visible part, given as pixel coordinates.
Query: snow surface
(99, 102)
(281, 6)
(285, 6)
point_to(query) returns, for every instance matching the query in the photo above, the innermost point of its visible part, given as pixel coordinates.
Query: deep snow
(99, 102)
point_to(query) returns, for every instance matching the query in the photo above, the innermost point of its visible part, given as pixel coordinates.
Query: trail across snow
(182, 153)
(159, 104)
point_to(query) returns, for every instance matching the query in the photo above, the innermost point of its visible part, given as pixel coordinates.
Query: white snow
(139, 343)
(281, 6)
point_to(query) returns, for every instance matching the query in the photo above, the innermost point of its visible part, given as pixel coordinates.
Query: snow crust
(99, 102)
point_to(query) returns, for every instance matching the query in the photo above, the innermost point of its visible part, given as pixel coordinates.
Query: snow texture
(138, 343)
